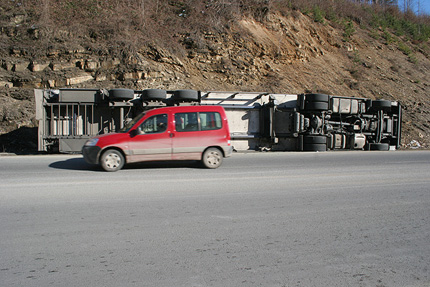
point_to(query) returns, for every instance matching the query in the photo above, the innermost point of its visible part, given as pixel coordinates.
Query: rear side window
(202, 121)
(210, 121)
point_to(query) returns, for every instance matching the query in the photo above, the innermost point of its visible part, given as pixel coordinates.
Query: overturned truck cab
(321, 122)
(258, 121)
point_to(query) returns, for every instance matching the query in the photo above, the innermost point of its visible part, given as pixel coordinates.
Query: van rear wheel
(112, 160)
(212, 158)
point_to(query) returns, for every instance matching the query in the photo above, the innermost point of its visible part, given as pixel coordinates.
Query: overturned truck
(258, 121)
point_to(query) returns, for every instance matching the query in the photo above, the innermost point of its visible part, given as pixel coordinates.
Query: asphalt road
(261, 219)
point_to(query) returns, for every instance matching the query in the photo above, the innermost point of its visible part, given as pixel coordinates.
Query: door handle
(172, 135)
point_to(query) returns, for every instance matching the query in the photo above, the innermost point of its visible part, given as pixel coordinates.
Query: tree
(408, 5)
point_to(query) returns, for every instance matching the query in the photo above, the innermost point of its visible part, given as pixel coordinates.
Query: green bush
(401, 26)
(389, 38)
(405, 49)
(318, 14)
(348, 30)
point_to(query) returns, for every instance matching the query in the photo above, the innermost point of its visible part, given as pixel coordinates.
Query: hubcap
(213, 158)
(112, 160)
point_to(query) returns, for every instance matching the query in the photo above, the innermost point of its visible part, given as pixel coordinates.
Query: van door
(152, 141)
(194, 132)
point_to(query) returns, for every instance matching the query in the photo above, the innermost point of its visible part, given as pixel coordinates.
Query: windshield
(131, 123)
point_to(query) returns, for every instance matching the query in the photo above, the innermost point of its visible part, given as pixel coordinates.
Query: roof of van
(204, 108)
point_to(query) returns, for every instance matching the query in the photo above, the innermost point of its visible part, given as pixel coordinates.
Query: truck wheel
(317, 98)
(317, 102)
(378, 105)
(314, 147)
(379, 146)
(318, 139)
(112, 160)
(121, 94)
(316, 106)
(212, 158)
(153, 94)
(187, 95)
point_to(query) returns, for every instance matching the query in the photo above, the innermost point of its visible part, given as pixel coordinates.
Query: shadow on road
(74, 164)
(81, 164)
(164, 164)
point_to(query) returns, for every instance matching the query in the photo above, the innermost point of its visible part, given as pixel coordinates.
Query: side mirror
(135, 132)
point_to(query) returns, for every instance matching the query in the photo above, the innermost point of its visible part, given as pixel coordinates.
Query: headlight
(91, 142)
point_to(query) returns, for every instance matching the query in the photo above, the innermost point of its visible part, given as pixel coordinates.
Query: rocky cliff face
(287, 54)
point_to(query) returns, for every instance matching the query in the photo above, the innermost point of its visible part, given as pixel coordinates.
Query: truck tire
(316, 106)
(379, 146)
(121, 94)
(112, 160)
(186, 95)
(316, 139)
(317, 102)
(153, 94)
(314, 147)
(317, 98)
(378, 105)
(212, 158)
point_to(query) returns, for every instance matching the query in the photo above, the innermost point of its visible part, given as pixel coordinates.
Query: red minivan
(170, 133)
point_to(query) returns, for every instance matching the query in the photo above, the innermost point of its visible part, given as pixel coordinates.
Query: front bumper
(91, 154)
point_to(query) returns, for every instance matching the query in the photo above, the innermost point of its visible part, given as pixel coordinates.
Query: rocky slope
(287, 54)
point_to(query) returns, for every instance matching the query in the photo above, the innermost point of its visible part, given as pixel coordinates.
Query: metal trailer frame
(258, 121)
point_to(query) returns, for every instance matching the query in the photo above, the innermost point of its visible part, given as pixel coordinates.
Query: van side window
(154, 124)
(202, 121)
(186, 122)
(210, 121)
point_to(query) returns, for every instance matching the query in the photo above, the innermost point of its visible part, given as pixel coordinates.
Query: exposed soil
(287, 54)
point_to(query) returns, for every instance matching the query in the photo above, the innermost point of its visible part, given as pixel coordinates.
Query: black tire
(316, 106)
(379, 146)
(212, 158)
(314, 147)
(378, 105)
(317, 139)
(112, 160)
(186, 95)
(316, 102)
(153, 94)
(317, 98)
(121, 94)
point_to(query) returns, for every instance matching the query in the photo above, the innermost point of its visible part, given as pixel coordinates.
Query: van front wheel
(212, 158)
(112, 160)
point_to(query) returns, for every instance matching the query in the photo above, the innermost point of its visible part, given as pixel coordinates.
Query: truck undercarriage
(258, 121)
